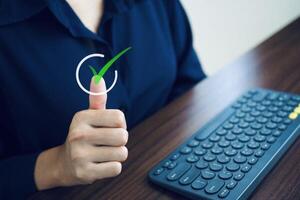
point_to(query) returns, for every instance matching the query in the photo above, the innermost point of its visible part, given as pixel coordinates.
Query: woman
(50, 135)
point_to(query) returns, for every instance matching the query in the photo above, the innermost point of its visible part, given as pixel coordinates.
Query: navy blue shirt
(41, 43)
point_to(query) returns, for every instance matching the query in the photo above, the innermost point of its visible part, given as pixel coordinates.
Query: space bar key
(211, 126)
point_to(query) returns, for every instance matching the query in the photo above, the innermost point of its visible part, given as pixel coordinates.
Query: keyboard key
(189, 176)
(223, 143)
(273, 108)
(259, 96)
(221, 132)
(255, 113)
(278, 103)
(206, 174)
(262, 120)
(192, 158)
(237, 130)
(234, 120)
(240, 159)
(230, 137)
(245, 109)
(266, 103)
(246, 152)
(209, 157)
(215, 166)
(243, 125)
(178, 171)
(252, 160)
(265, 146)
(244, 138)
(267, 114)
(223, 193)
(199, 184)
(214, 186)
(256, 126)
(250, 132)
(217, 150)
(271, 139)
(238, 176)
(253, 145)
(287, 121)
(186, 150)
(282, 114)
(201, 164)
(273, 96)
(167, 163)
(277, 119)
(287, 108)
(259, 138)
(158, 171)
(240, 114)
(249, 119)
(231, 184)
(193, 143)
(259, 153)
(232, 167)
(271, 125)
(172, 165)
(282, 127)
(261, 108)
(175, 156)
(214, 138)
(265, 131)
(223, 159)
(225, 175)
(246, 168)
(199, 151)
(237, 145)
(230, 151)
(277, 133)
(207, 144)
(228, 126)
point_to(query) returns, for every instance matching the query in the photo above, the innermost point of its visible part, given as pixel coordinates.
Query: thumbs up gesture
(93, 150)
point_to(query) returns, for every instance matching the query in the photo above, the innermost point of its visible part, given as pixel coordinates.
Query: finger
(107, 136)
(105, 170)
(106, 154)
(97, 102)
(103, 118)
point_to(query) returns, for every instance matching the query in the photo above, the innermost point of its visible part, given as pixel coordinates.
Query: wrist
(48, 170)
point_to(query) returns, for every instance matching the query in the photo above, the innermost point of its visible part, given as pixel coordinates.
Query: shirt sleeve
(17, 177)
(189, 70)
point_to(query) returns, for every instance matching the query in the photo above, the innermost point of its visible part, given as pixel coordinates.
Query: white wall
(225, 29)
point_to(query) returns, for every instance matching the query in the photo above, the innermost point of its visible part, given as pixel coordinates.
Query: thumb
(97, 102)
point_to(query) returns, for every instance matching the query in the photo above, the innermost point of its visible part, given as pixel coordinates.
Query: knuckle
(124, 153)
(121, 153)
(123, 136)
(81, 173)
(119, 118)
(78, 115)
(116, 168)
(77, 135)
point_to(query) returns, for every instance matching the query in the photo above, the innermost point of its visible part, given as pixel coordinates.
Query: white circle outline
(78, 80)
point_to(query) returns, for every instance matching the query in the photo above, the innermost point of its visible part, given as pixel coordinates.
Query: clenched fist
(94, 147)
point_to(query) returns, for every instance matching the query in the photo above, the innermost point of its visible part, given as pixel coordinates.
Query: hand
(94, 148)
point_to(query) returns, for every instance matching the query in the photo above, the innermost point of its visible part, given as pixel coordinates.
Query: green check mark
(98, 76)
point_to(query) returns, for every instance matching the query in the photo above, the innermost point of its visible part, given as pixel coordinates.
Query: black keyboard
(229, 156)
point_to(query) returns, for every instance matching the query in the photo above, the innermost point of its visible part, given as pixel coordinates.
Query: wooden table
(274, 64)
